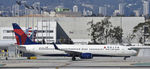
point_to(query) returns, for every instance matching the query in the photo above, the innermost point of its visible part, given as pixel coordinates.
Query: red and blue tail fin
(21, 37)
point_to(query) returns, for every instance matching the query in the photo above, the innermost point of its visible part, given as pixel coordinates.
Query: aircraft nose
(134, 52)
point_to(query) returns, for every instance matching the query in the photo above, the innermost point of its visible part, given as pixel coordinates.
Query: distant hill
(87, 4)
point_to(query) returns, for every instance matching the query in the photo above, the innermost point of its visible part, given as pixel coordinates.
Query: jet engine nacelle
(86, 56)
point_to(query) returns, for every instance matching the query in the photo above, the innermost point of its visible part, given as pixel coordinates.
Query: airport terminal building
(54, 29)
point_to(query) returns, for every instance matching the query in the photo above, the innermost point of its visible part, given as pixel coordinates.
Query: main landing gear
(73, 58)
(126, 57)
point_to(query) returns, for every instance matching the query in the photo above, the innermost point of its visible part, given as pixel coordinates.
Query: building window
(44, 37)
(71, 32)
(8, 31)
(50, 40)
(8, 37)
(43, 31)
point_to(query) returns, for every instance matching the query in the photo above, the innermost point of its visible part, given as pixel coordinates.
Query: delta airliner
(81, 51)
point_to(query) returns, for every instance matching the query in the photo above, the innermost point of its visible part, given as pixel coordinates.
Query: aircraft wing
(71, 53)
(139, 47)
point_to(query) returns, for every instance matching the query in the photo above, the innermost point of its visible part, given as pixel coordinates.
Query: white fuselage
(111, 50)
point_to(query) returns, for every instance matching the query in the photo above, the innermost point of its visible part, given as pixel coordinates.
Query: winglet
(55, 46)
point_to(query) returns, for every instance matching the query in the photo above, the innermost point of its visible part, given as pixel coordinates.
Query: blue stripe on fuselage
(94, 55)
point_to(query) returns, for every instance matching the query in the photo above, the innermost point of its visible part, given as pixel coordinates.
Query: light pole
(146, 32)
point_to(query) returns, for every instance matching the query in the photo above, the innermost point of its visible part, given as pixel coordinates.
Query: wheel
(6, 58)
(125, 58)
(73, 58)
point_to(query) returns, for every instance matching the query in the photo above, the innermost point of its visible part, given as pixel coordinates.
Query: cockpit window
(129, 49)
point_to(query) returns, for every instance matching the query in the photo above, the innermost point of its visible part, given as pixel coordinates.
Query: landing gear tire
(6, 58)
(73, 58)
(125, 58)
